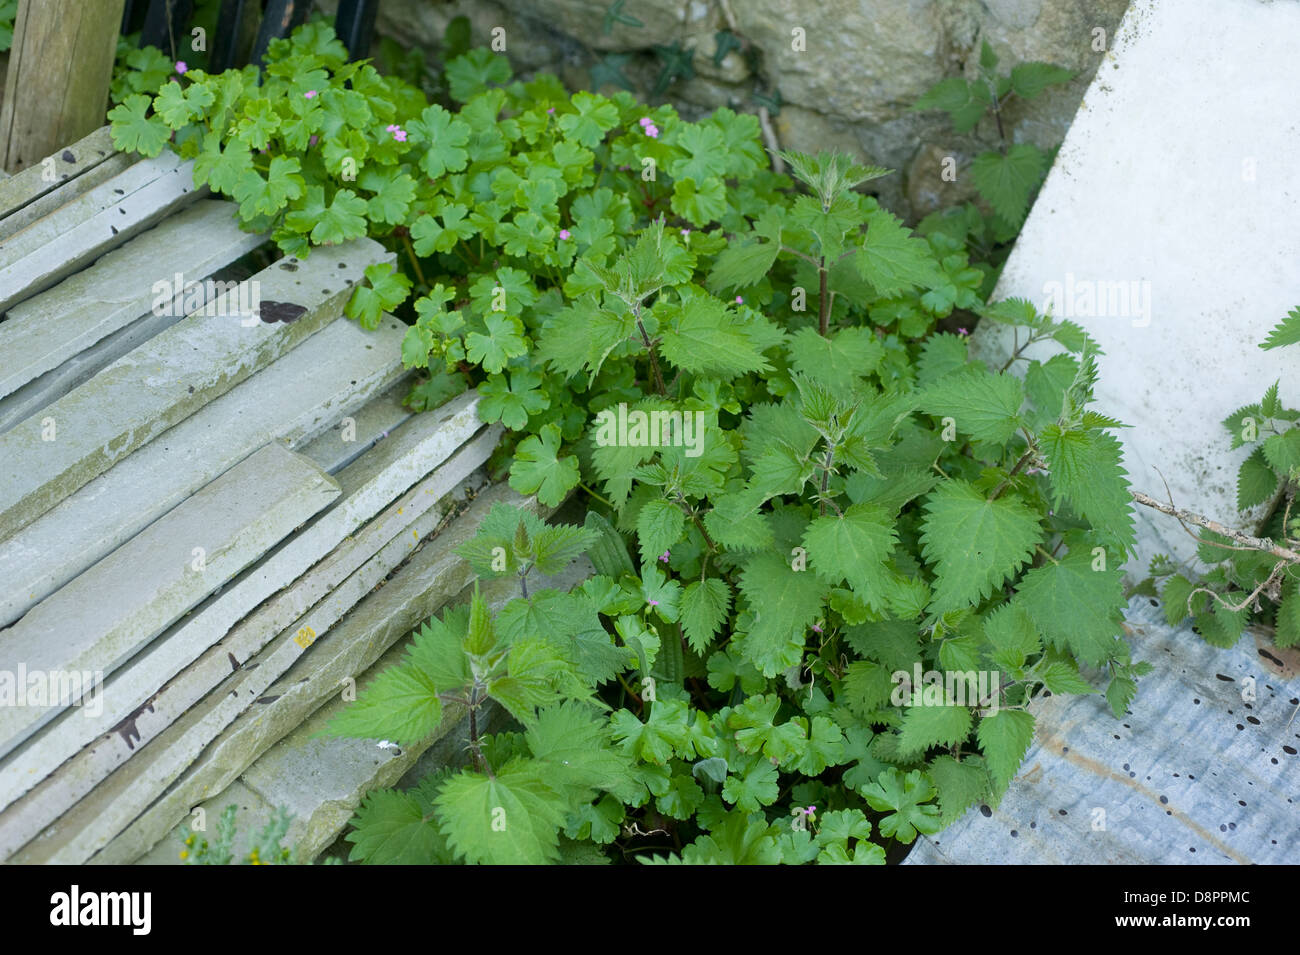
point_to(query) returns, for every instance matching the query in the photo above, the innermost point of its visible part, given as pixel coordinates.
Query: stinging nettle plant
(866, 499)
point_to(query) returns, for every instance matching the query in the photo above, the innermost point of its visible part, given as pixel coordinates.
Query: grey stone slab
(19, 191)
(72, 236)
(1194, 774)
(293, 400)
(165, 380)
(44, 331)
(375, 481)
(65, 192)
(96, 622)
(356, 433)
(428, 580)
(374, 553)
(322, 780)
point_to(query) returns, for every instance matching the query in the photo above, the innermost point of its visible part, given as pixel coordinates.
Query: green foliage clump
(265, 849)
(803, 493)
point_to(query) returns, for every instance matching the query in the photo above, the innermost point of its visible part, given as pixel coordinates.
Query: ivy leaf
(1004, 737)
(1007, 181)
(904, 798)
(132, 131)
(704, 609)
(514, 819)
(538, 468)
(975, 544)
(387, 289)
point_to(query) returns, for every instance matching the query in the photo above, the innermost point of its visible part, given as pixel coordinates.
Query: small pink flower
(652, 131)
(645, 121)
(400, 135)
(564, 234)
(817, 628)
(739, 300)
(664, 556)
(654, 603)
(624, 168)
(310, 94)
(181, 67)
(313, 141)
(686, 233)
(962, 331)
(550, 111)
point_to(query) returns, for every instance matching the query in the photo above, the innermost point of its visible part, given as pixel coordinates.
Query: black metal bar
(133, 15)
(167, 26)
(279, 20)
(230, 27)
(355, 26)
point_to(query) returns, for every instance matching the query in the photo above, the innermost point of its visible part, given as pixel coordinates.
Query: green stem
(602, 500)
(415, 260)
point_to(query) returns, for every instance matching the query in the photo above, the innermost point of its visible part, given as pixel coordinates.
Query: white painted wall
(1181, 170)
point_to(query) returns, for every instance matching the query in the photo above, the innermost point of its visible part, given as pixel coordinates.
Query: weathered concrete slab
(65, 192)
(1123, 229)
(165, 380)
(323, 779)
(101, 618)
(1194, 774)
(19, 191)
(74, 235)
(426, 582)
(355, 434)
(402, 529)
(292, 400)
(44, 331)
(372, 483)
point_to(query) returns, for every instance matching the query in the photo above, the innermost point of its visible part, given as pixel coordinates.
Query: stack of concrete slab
(208, 489)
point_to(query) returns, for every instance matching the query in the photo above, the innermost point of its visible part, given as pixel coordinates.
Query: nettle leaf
(892, 259)
(742, 264)
(1007, 181)
(392, 827)
(703, 335)
(836, 361)
(926, 726)
(1030, 79)
(785, 603)
(1004, 737)
(1087, 471)
(513, 819)
(1287, 332)
(975, 544)
(704, 608)
(539, 469)
(905, 798)
(659, 526)
(961, 784)
(852, 546)
(984, 406)
(1074, 606)
(1282, 451)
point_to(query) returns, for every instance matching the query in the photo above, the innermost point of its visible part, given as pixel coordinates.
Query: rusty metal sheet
(1196, 772)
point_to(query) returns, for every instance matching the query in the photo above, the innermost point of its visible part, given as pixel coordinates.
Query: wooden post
(60, 66)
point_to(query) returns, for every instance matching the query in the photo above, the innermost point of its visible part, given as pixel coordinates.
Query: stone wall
(863, 64)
